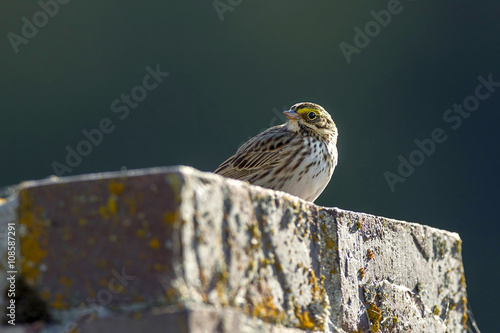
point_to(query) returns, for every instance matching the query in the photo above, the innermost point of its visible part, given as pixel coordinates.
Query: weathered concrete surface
(200, 319)
(412, 274)
(97, 247)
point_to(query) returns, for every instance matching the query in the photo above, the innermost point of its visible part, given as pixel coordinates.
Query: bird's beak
(292, 115)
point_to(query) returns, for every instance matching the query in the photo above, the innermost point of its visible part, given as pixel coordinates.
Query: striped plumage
(297, 157)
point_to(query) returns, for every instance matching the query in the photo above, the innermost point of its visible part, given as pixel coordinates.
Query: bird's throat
(293, 126)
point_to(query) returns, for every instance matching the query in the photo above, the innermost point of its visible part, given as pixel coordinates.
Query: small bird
(297, 157)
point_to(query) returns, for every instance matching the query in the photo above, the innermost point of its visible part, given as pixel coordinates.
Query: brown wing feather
(262, 152)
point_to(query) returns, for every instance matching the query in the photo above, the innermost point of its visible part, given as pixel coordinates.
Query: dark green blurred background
(228, 80)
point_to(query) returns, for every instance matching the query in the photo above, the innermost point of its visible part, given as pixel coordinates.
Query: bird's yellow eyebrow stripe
(307, 110)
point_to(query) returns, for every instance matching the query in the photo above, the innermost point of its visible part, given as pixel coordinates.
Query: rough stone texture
(412, 274)
(124, 248)
(186, 321)
(198, 320)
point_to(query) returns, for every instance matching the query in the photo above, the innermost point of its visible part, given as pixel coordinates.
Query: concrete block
(97, 249)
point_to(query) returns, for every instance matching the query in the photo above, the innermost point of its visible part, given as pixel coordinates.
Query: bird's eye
(311, 115)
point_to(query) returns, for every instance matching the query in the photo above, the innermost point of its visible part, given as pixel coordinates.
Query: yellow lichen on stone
(313, 281)
(462, 280)
(112, 207)
(465, 317)
(116, 188)
(175, 182)
(58, 302)
(361, 273)
(305, 321)
(267, 310)
(278, 266)
(221, 287)
(265, 261)
(34, 241)
(139, 298)
(464, 302)
(103, 211)
(251, 266)
(103, 282)
(154, 243)
(169, 218)
(30, 244)
(45, 295)
(171, 295)
(330, 244)
(458, 246)
(66, 282)
(374, 316)
(132, 206)
(255, 236)
(318, 296)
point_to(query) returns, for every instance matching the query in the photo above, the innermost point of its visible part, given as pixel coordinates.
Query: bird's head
(311, 118)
